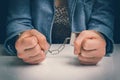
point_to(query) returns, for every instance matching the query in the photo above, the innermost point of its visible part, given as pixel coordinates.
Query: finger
(36, 59)
(42, 58)
(89, 53)
(91, 44)
(78, 44)
(92, 53)
(41, 39)
(85, 60)
(26, 43)
(30, 52)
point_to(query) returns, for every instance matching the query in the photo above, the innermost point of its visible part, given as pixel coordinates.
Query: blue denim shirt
(39, 14)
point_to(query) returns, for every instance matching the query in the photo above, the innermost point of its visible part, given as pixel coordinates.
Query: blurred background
(117, 22)
(3, 14)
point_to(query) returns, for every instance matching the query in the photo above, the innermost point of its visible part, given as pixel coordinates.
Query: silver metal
(59, 49)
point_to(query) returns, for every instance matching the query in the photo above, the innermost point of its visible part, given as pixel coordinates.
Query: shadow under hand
(74, 61)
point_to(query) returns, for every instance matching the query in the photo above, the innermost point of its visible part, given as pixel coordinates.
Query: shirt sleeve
(109, 45)
(11, 46)
(19, 20)
(102, 20)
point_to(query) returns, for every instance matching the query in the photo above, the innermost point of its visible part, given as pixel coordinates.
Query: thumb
(78, 44)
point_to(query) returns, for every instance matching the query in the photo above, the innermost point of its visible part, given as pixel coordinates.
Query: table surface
(64, 66)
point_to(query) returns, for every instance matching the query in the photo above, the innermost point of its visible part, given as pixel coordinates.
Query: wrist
(99, 34)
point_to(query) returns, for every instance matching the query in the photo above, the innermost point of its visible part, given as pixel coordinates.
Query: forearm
(19, 20)
(102, 20)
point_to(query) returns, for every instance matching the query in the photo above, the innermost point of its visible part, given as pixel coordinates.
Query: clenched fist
(90, 47)
(30, 46)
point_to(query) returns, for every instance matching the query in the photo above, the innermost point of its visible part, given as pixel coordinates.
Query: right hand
(31, 46)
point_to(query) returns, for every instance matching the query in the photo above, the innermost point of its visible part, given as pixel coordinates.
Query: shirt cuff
(11, 45)
(109, 45)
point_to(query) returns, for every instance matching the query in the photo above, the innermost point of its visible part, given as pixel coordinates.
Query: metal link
(60, 48)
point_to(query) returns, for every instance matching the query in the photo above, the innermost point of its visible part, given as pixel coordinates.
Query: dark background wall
(3, 13)
(117, 22)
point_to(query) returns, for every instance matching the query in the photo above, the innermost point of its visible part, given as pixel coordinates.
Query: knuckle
(33, 42)
(43, 38)
(30, 41)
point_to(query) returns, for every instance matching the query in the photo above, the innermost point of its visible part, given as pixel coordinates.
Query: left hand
(90, 47)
